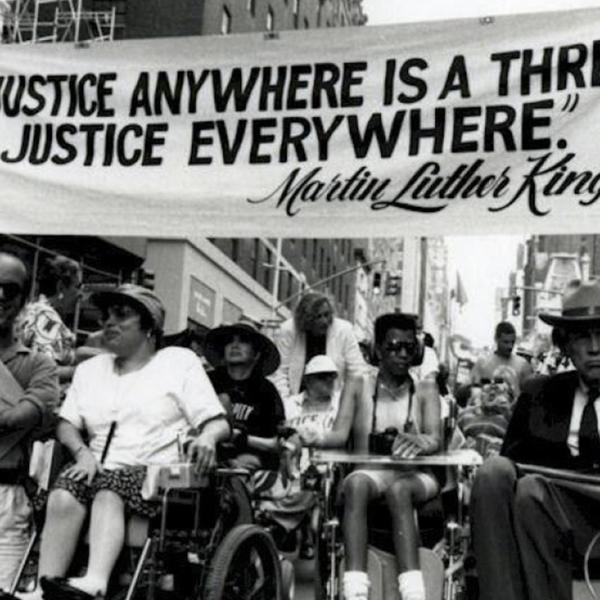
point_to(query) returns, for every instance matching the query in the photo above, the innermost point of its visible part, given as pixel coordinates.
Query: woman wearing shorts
(392, 399)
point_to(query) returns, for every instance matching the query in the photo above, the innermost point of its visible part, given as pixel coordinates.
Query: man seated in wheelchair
(402, 417)
(243, 358)
(484, 420)
(133, 403)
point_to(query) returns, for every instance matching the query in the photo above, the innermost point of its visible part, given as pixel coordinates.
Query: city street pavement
(304, 570)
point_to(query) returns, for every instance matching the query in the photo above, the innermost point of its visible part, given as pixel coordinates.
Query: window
(255, 258)
(296, 11)
(314, 253)
(270, 19)
(235, 250)
(322, 262)
(267, 270)
(305, 247)
(251, 6)
(225, 21)
(306, 24)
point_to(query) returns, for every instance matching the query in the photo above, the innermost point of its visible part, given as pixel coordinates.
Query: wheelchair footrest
(383, 574)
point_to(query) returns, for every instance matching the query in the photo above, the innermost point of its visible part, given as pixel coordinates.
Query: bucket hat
(139, 296)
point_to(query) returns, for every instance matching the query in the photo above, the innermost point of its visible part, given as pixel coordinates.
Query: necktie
(589, 440)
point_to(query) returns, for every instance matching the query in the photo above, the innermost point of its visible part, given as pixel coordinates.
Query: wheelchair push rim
(245, 566)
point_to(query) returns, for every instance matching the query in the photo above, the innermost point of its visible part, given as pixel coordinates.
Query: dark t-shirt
(257, 406)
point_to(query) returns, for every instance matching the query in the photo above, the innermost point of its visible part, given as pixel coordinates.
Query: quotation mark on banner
(568, 107)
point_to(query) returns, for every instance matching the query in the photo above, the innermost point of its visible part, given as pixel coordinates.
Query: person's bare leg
(402, 497)
(107, 534)
(359, 490)
(64, 519)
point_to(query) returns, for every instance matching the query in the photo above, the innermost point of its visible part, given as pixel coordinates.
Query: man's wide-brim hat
(581, 308)
(217, 338)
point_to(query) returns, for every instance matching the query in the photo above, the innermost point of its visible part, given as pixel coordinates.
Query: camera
(382, 442)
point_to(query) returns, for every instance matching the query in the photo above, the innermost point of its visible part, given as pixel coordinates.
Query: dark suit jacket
(539, 427)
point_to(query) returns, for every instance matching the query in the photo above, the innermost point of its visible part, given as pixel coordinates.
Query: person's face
(122, 332)
(321, 319)
(505, 343)
(320, 386)
(583, 347)
(12, 292)
(239, 350)
(396, 352)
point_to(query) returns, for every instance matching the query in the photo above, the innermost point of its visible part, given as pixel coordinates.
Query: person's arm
(344, 420)
(203, 448)
(430, 440)
(85, 466)
(353, 357)
(263, 444)
(34, 408)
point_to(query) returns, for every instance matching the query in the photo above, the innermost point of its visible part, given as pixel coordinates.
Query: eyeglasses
(118, 311)
(10, 290)
(408, 347)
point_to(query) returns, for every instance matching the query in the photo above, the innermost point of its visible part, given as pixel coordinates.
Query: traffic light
(145, 278)
(377, 283)
(393, 285)
(516, 306)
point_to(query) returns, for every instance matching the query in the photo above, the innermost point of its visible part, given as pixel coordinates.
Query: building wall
(159, 18)
(193, 277)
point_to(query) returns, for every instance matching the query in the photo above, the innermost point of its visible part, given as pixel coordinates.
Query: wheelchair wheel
(235, 504)
(323, 558)
(245, 566)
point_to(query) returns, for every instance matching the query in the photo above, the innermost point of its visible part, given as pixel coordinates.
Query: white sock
(89, 584)
(356, 585)
(411, 585)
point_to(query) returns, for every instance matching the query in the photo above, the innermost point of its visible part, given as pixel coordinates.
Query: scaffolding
(50, 21)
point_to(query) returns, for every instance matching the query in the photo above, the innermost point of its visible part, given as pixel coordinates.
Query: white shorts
(15, 529)
(384, 478)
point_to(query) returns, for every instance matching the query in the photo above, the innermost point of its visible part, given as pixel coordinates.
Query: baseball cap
(144, 298)
(320, 364)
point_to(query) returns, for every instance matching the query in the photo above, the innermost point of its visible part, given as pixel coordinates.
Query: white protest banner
(457, 126)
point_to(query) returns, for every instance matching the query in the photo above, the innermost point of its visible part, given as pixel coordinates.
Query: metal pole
(276, 277)
(327, 280)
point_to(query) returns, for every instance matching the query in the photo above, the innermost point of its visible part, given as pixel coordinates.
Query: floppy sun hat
(217, 338)
(580, 308)
(137, 295)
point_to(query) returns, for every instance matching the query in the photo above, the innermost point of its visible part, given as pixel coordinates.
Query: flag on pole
(459, 292)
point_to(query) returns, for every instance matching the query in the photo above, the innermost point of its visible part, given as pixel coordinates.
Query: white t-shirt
(151, 406)
(298, 414)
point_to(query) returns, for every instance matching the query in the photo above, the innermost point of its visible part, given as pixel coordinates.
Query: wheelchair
(203, 543)
(443, 527)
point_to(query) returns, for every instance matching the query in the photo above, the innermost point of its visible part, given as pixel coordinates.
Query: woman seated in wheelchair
(403, 418)
(132, 403)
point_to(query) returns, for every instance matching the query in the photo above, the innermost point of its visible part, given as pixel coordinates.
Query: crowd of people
(127, 402)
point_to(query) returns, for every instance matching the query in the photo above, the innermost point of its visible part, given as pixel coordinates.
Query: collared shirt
(36, 373)
(579, 402)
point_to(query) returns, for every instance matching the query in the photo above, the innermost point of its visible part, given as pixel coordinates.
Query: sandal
(58, 588)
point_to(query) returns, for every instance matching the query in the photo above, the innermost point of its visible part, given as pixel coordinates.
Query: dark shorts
(126, 483)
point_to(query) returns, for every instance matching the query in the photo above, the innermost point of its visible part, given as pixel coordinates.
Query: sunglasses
(118, 311)
(408, 347)
(10, 290)
(486, 381)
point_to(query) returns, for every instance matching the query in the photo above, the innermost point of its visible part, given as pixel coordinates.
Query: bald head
(12, 269)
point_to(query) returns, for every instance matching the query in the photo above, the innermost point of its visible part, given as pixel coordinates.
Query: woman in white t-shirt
(133, 403)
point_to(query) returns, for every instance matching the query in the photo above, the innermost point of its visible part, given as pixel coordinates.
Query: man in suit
(530, 529)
